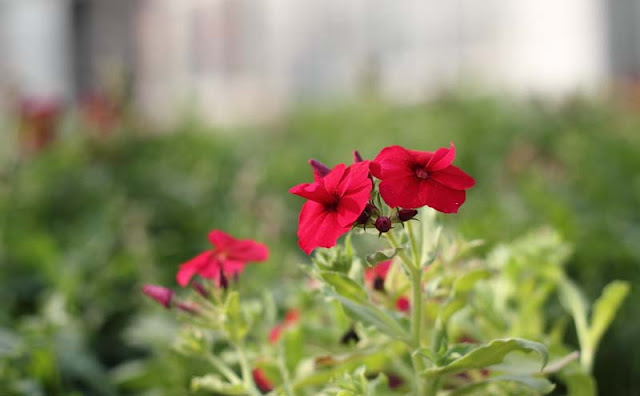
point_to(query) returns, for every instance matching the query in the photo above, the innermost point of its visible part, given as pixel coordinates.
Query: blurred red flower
(413, 179)
(228, 257)
(290, 318)
(261, 380)
(335, 201)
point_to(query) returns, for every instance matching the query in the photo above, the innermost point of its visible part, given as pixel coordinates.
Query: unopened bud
(383, 224)
(366, 214)
(160, 294)
(356, 156)
(350, 336)
(261, 380)
(319, 169)
(224, 282)
(188, 307)
(407, 214)
(199, 287)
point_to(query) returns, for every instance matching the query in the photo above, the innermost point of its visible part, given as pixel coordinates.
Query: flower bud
(188, 307)
(407, 214)
(319, 168)
(403, 304)
(224, 281)
(161, 294)
(261, 380)
(199, 287)
(366, 214)
(356, 156)
(383, 224)
(350, 336)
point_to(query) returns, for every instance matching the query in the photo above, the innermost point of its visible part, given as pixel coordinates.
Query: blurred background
(130, 128)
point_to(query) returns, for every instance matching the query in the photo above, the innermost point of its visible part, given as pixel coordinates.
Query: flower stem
(415, 275)
(247, 378)
(223, 369)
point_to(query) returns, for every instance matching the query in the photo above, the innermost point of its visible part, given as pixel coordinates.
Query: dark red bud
(407, 214)
(366, 214)
(350, 336)
(383, 224)
(199, 287)
(160, 294)
(319, 168)
(356, 156)
(224, 282)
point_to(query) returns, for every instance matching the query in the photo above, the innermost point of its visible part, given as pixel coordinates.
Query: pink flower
(413, 179)
(228, 257)
(335, 201)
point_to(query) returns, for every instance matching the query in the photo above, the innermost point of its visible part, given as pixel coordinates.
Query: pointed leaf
(489, 354)
(539, 384)
(605, 308)
(345, 286)
(372, 315)
(378, 257)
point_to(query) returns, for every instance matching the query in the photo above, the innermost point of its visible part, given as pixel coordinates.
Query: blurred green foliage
(86, 221)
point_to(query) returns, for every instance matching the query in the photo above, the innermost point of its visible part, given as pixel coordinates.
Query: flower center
(421, 173)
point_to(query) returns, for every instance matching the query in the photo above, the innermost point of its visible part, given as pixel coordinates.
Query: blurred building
(230, 61)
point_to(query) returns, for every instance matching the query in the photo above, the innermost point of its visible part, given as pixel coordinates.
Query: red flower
(412, 179)
(261, 380)
(228, 258)
(335, 202)
(290, 318)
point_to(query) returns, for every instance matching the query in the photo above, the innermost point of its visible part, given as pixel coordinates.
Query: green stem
(247, 378)
(415, 275)
(286, 380)
(224, 369)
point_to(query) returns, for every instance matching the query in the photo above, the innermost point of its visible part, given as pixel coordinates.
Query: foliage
(85, 222)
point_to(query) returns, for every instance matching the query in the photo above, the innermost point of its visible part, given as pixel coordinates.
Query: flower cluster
(343, 197)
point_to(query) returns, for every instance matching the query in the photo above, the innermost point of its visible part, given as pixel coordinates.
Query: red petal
(392, 162)
(313, 191)
(220, 239)
(247, 250)
(441, 197)
(318, 227)
(453, 177)
(331, 180)
(190, 268)
(442, 158)
(403, 192)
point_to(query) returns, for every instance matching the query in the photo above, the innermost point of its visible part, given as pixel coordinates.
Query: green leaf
(345, 286)
(213, 383)
(605, 308)
(372, 315)
(579, 384)
(489, 354)
(466, 282)
(540, 384)
(378, 257)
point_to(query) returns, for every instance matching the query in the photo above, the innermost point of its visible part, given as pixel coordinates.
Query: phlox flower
(227, 258)
(413, 179)
(334, 203)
